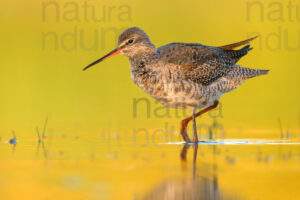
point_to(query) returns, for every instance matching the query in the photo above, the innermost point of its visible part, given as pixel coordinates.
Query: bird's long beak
(110, 54)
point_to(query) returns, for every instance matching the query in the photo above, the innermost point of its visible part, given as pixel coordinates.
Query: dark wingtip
(246, 47)
(264, 71)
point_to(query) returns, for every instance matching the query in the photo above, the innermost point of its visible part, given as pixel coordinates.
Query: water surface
(95, 167)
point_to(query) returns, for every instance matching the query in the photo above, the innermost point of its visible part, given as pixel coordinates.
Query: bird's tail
(245, 73)
(238, 75)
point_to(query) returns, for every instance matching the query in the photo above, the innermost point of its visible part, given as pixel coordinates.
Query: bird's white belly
(192, 97)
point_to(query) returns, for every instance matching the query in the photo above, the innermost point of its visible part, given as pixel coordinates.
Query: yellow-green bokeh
(37, 82)
(88, 154)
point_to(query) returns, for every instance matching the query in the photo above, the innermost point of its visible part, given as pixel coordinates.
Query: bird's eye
(130, 41)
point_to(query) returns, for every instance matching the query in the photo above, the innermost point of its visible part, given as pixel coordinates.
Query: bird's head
(131, 42)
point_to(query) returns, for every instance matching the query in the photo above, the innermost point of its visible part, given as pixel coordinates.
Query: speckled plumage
(183, 75)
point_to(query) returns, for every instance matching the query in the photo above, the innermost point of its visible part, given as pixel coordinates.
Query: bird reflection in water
(195, 188)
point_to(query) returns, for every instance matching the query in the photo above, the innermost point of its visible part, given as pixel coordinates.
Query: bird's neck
(143, 67)
(144, 60)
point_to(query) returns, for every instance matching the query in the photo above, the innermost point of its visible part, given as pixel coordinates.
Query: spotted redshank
(183, 75)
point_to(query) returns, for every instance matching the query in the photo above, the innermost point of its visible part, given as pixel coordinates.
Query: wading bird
(183, 75)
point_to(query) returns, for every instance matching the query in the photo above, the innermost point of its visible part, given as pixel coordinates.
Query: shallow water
(95, 167)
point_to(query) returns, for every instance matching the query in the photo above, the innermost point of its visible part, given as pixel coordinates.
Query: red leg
(183, 132)
(185, 122)
(195, 140)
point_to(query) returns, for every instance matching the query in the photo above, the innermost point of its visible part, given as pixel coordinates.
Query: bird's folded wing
(195, 62)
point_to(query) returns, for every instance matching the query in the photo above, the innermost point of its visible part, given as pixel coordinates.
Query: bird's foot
(195, 140)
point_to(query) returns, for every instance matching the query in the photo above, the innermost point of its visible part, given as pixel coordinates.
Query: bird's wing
(199, 63)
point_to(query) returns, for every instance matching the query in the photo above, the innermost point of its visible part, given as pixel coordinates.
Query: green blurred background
(92, 149)
(45, 45)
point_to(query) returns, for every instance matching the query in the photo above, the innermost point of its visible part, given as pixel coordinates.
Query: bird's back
(201, 73)
(194, 75)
